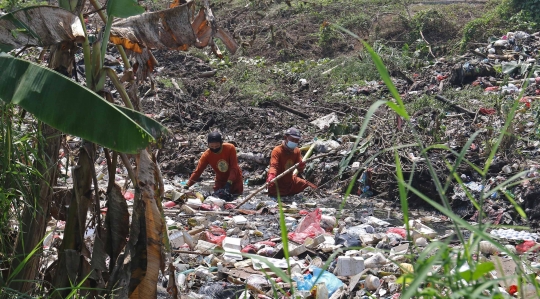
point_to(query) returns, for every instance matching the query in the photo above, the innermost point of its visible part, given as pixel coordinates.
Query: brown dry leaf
(148, 276)
(116, 224)
(171, 29)
(39, 26)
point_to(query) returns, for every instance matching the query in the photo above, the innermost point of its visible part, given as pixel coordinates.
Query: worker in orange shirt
(283, 157)
(222, 158)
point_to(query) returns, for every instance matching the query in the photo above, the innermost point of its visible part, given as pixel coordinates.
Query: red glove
(301, 165)
(270, 177)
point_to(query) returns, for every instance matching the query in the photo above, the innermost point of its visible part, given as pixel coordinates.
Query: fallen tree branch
(455, 106)
(280, 176)
(192, 252)
(286, 108)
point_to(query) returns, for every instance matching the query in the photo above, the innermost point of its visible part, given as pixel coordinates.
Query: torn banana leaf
(170, 29)
(39, 26)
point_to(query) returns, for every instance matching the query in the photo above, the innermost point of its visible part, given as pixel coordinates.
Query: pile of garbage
(221, 251)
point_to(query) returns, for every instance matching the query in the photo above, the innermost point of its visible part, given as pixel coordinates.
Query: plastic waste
(216, 235)
(324, 146)
(372, 282)
(527, 246)
(376, 261)
(511, 234)
(319, 275)
(325, 121)
(488, 248)
(398, 230)
(214, 201)
(348, 240)
(257, 280)
(309, 226)
(328, 222)
(221, 290)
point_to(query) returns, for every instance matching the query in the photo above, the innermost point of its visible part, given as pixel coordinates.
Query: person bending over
(222, 158)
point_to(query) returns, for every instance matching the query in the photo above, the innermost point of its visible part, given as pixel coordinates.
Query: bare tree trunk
(34, 220)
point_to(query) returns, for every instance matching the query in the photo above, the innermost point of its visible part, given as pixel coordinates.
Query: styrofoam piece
(375, 221)
(203, 246)
(369, 239)
(349, 265)
(232, 244)
(421, 230)
(401, 249)
(322, 291)
(194, 203)
(312, 243)
(240, 220)
(421, 242)
(215, 200)
(361, 229)
(177, 239)
(232, 247)
(295, 249)
(376, 261)
(279, 263)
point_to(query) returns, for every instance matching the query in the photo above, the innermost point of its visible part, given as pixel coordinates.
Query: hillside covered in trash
(437, 200)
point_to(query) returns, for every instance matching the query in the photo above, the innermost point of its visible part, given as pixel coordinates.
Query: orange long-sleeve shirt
(282, 159)
(224, 163)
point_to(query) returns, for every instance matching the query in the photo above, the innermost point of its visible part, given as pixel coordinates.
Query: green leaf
(482, 269)
(124, 8)
(156, 129)
(61, 103)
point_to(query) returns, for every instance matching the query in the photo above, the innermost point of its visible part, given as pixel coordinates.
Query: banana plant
(77, 110)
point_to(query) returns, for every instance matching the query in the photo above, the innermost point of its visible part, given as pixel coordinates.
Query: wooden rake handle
(280, 176)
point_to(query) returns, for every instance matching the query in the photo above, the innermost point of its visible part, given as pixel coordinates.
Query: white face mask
(291, 145)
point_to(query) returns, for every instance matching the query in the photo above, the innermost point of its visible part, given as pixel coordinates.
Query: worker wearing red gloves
(222, 158)
(283, 157)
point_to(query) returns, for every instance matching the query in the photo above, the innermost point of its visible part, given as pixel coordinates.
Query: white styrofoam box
(349, 265)
(232, 244)
(240, 220)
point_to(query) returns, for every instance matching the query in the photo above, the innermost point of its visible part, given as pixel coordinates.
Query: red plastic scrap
(492, 88)
(398, 230)
(209, 207)
(129, 195)
(249, 249)
(441, 77)
(169, 204)
(527, 246)
(487, 111)
(512, 289)
(229, 206)
(303, 212)
(216, 235)
(527, 101)
(267, 243)
(309, 226)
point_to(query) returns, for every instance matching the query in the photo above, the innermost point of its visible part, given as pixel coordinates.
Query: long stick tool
(280, 176)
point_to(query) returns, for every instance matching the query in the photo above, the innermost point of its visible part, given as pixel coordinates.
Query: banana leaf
(124, 8)
(74, 109)
(38, 26)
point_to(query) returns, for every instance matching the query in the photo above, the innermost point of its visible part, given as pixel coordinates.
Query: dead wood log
(286, 108)
(455, 106)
